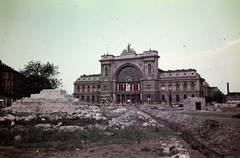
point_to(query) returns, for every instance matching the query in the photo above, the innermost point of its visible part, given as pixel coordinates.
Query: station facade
(136, 78)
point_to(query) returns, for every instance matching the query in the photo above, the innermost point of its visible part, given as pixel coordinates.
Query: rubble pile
(208, 136)
(90, 112)
(124, 120)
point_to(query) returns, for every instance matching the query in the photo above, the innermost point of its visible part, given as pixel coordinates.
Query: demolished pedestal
(47, 101)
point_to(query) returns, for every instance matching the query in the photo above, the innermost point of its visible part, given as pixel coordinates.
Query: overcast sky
(73, 34)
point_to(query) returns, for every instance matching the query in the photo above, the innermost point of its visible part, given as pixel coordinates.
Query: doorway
(198, 105)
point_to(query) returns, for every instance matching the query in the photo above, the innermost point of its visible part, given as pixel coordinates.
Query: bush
(145, 149)
(2, 113)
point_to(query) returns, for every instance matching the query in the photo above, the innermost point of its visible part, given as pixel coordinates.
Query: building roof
(6, 68)
(233, 94)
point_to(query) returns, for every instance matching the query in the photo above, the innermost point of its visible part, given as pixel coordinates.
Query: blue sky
(203, 35)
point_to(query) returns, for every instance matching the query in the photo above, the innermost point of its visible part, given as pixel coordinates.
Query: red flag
(128, 87)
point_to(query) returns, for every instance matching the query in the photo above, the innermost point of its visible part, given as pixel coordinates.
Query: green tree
(218, 97)
(40, 76)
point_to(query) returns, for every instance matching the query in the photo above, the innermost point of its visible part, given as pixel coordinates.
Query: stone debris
(90, 112)
(29, 118)
(71, 128)
(124, 120)
(2, 118)
(9, 117)
(12, 123)
(18, 138)
(44, 125)
(119, 110)
(107, 133)
(173, 146)
(59, 124)
(150, 123)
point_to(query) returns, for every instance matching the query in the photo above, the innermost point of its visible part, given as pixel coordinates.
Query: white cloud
(217, 66)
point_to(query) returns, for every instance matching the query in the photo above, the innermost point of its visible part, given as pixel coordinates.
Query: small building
(233, 98)
(194, 103)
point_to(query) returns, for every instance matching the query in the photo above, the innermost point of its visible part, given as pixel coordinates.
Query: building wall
(87, 88)
(10, 89)
(191, 103)
(233, 97)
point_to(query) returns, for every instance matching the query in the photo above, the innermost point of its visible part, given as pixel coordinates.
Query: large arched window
(128, 79)
(106, 71)
(185, 86)
(163, 97)
(192, 86)
(83, 88)
(128, 74)
(149, 69)
(177, 86)
(87, 98)
(177, 98)
(170, 98)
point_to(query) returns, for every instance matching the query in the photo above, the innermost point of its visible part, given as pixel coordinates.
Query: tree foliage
(218, 97)
(40, 76)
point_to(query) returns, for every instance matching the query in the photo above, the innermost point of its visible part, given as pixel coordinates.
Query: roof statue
(128, 48)
(128, 51)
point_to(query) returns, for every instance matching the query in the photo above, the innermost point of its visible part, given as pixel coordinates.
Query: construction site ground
(135, 141)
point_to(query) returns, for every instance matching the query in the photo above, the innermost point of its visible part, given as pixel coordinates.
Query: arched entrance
(128, 85)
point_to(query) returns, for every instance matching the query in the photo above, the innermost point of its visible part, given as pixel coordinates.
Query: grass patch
(33, 137)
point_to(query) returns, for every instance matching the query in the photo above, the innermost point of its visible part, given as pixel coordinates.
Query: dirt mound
(236, 116)
(208, 136)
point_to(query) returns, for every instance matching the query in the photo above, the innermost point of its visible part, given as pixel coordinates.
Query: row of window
(87, 99)
(177, 74)
(90, 78)
(178, 87)
(163, 98)
(88, 89)
(177, 97)
(7, 76)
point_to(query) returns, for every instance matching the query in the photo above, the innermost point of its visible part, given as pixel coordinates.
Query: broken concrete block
(71, 128)
(29, 118)
(18, 137)
(10, 117)
(12, 123)
(2, 119)
(166, 150)
(46, 125)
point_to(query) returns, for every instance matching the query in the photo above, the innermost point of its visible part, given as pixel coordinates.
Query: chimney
(227, 87)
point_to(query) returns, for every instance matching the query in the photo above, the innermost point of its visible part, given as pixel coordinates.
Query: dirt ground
(105, 148)
(132, 150)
